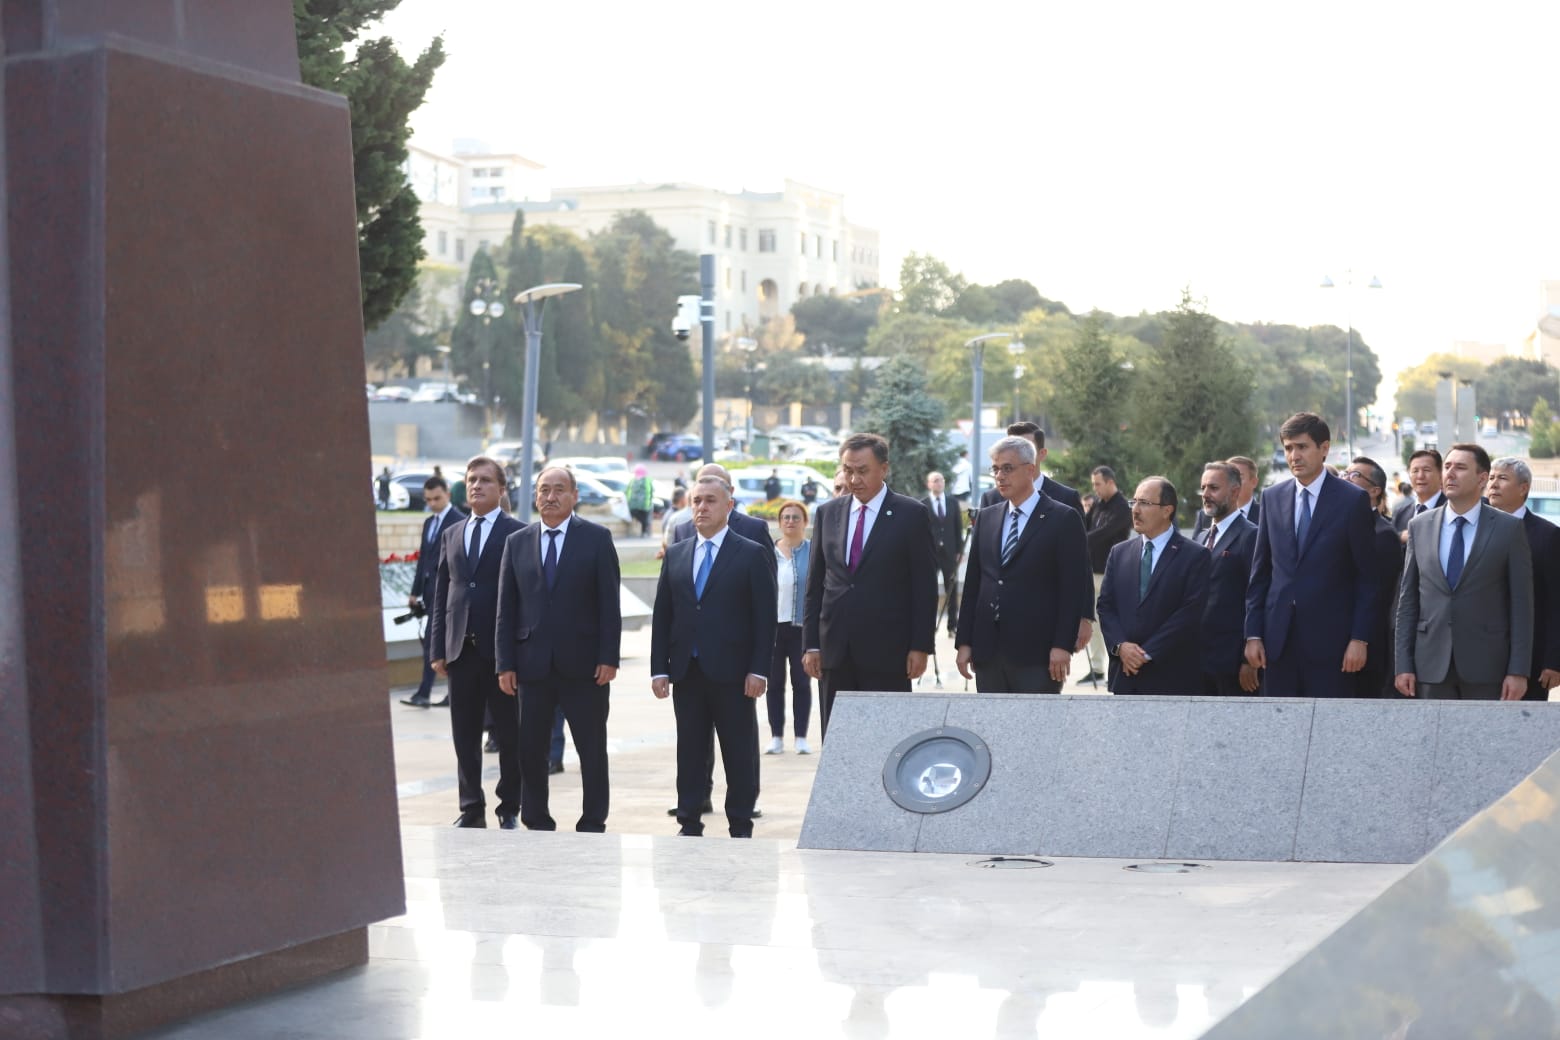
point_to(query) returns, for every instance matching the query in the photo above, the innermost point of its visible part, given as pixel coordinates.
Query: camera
(687, 316)
(418, 611)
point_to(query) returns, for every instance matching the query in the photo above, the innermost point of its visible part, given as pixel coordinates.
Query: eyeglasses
(1134, 503)
(1006, 469)
(1360, 475)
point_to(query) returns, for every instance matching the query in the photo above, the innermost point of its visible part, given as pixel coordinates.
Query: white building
(771, 248)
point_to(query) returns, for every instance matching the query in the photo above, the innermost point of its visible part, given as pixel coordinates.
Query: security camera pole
(707, 328)
(533, 300)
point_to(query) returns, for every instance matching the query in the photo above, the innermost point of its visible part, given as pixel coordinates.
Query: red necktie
(856, 539)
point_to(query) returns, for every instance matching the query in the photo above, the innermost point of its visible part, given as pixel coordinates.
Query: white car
(750, 483)
(400, 498)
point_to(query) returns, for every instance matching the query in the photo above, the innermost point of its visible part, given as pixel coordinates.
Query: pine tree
(382, 92)
(900, 409)
(1091, 379)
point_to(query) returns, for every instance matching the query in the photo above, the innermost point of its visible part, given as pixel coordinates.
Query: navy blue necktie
(474, 550)
(1454, 559)
(550, 563)
(1305, 519)
(704, 570)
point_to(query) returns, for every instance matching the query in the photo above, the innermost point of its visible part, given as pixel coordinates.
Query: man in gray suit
(1465, 606)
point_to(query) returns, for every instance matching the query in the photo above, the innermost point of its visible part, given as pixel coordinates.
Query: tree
(382, 92)
(488, 352)
(1416, 386)
(835, 325)
(1542, 427)
(900, 409)
(927, 285)
(1514, 384)
(1192, 401)
(568, 371)
(1092, 378)
(402, 338)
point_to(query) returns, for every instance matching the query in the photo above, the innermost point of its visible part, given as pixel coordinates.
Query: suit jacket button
(999, 580)
(473, 584)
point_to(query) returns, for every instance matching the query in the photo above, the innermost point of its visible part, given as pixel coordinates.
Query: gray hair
(1523, 471)
(1023, 447)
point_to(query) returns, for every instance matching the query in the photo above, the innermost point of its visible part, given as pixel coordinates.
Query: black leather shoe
(415, 701)
(508, 822)
(471, 820)
(554, 768)
(708, 808)
(443, 702)
(1094, 677)
(490, 747)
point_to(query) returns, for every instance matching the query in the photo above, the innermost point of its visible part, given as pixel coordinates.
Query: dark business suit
(708, 645)
(1462, 642)
(422, 583)
(553, 639)
(1167, 623)
(1200, 528)
(1409, 508)
(1048, 487)
(1376, 678)
(465, 617)
(1014, 614)
(1307, 602)
(947, 544)
(1544, 545)
(1224, 613)
(866, 623)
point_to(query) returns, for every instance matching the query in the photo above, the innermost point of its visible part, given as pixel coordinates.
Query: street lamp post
(748, 347)
(1348, 364)
(978, 344)
(532, 300)
(487, 306)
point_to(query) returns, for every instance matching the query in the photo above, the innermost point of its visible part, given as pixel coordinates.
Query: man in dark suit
(1246, 503)
(1424, 480)
(1027, 574)
(1376, 678)
(947, 542)
(1310, 605)
(560, 622)
(1230, 540)
(1048, 486)
(1465, 611)
(1510, 481)
(1151, 601)
(436, 494)
(711, 637)
(871, 582)
(465, 618)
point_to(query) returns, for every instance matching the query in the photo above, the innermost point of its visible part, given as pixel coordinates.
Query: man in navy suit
(1230, 540)
(711, 637)
(436, 493)
(1311, 602)
(1151, 601)
(1510, 481)
(1246, 504)
(1027, 575)
(461, 632)
(871, 583)
(560, 623)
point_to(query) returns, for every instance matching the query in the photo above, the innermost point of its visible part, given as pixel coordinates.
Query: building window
(835, 247)
(801, 291)
(818, 252)
(712, 231)
(483, 245)
(766, 240)
(444, 243)
(478, 172)
(744, 281)
(727, 240)
(804, 243)
(460, 250)
(728, 279)
(728, 321)
(742, 238)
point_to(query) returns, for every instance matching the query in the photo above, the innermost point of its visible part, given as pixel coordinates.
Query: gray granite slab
(1116, 772)
(849, 808)
(1367, 782)
(1482, 751)
(1242, 772)
(1023, 732)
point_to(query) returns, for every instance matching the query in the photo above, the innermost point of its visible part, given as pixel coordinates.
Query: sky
(1110, 153)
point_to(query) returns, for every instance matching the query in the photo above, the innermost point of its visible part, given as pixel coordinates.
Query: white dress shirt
(699, 551)
(1315, 488)
(1028, 506)
(474, 551)
(563, 532)
(1159, 542)
(1447, 531)
(873, 508)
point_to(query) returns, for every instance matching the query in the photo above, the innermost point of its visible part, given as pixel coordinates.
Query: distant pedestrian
(641, 500)
(810, 489)
(772, 486)
(384, 488)
(959, 486)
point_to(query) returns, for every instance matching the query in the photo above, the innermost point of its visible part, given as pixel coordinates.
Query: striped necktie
(1012, 537)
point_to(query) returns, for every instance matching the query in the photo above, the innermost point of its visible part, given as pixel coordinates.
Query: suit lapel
(467, 563)
(1481, 537)
(1169, 557)
(1321, 508)
(1028, 534)
(880, 528)
(1433, 565)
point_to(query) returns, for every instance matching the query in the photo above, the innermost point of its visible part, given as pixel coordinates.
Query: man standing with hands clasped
(711, 638)
(1465, 608)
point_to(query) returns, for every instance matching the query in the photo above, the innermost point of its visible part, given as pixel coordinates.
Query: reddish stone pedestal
(196, 781)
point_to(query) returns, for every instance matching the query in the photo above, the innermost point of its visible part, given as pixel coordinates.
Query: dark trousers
(1455, 688)
(473, 693)
(1000, 675)
(425, 688)
(1223, 684)
(950, 581)
(788, 657)
(1535, 692)
(850, 677)
(708, 709)
(1296, 675)
(585, 705)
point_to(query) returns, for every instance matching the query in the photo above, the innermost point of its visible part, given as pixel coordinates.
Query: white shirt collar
(487, 517)
(1315, 486)
(717, 539)
(1472, 515)
(1030, 505)
(875, 504)
(1160, 541)
(559, 528)
(1520, 512)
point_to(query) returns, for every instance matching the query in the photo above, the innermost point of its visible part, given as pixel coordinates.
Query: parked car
(750, 483)
(655, 440)
(591, 463)
(411, 481)
(400, 394)
(597, 501)
(680, 447)
(399, 498)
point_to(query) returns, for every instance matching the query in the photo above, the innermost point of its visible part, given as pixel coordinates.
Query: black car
(653, 445)
(412, 481)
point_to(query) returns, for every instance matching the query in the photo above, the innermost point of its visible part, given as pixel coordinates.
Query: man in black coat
(1230, 539)
(947, 519)
(871, 582)
(436, 494)
(461, 632)
(1510, 481)
(711, 637)
(1027, 575)
(560, 623)
(1106, 525)
(1246, 503)
(1151, 601)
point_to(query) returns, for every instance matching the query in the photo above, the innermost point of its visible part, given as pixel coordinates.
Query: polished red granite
(195, 756)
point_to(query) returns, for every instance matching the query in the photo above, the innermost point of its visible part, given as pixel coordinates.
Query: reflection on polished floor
(609, 935)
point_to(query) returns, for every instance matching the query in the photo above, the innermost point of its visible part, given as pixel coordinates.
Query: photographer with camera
(436, 492)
